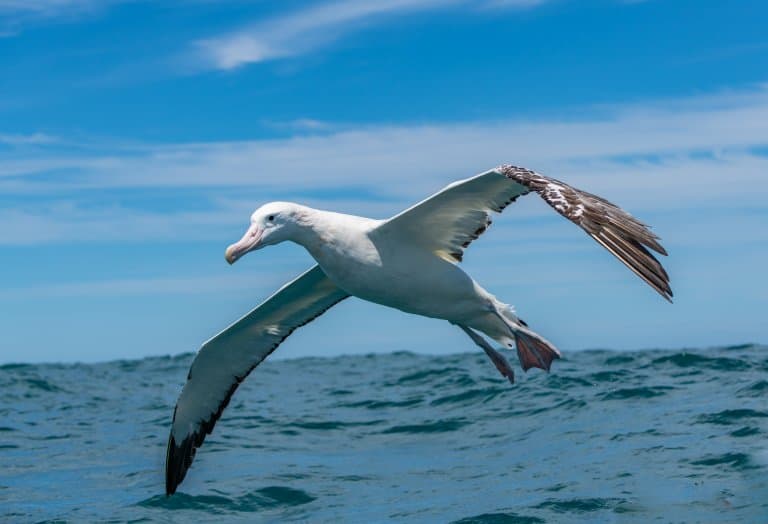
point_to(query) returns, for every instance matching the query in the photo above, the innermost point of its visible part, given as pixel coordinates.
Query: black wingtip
(177, 461)
(170, 465)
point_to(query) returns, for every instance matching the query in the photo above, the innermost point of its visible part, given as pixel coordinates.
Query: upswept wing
(226, 359)
(448, 221)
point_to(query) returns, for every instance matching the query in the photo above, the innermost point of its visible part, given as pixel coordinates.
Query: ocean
(607, 436)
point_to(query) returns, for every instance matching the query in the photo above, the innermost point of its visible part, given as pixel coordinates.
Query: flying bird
(408, 262)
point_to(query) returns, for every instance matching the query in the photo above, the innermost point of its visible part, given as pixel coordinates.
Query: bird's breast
(350, 265)
(415, 281)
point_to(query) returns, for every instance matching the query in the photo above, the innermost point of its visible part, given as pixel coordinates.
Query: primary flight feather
(408, 262)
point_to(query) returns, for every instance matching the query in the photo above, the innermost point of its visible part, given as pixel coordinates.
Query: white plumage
(408, 262)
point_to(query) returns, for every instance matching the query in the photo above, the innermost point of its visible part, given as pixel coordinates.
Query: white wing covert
(226, 359)
(448, 221)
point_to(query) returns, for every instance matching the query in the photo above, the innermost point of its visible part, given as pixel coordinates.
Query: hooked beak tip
(249, 242)
(229, 256)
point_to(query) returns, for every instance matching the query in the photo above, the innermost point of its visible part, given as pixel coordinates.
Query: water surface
(670, 436)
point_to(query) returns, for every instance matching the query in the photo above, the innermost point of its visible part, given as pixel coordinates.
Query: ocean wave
(606, 436)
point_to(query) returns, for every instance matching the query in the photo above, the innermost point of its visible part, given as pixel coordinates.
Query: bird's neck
(316, 229)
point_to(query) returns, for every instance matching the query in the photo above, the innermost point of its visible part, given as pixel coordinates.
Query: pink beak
(249, 242)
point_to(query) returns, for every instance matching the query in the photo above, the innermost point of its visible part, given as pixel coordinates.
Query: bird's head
(270, 224)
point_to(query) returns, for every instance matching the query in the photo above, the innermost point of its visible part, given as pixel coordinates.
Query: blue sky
(136, 137)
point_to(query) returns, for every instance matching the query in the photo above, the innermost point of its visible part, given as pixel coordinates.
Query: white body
(373, 263)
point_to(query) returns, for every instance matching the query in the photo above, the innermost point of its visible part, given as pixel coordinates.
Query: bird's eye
(271, 218)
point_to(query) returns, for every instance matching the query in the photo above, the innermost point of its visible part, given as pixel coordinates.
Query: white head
(270, 224)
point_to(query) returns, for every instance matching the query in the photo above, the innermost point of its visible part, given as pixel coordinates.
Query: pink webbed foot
(534, 352)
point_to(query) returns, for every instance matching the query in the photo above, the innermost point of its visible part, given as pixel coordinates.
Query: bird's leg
(497, 358)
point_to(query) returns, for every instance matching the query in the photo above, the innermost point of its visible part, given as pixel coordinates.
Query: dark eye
(271, 218)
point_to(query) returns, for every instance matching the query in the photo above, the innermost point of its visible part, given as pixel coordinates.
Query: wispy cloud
(303, 124)
(690, 152)
(137, 286)
(17, 14)
(51, 7)
(515, 3)
(306, 30)
(31, 139)
(701, 129)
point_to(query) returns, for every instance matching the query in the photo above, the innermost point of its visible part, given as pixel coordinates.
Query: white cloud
(305, 30)
(31, 139)
(516, 3)
(16, 14)
(676, 131)
(73, 222)
(32, 5)
(302, 124)
(696, 152)
(137, 286)
(49, 7)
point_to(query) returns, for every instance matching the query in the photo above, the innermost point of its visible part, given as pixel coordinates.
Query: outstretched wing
(225, 360)
(448, 221)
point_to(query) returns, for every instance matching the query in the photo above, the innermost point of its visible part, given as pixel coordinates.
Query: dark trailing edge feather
(454, 217)
(179, 456)
(459, 256)
(620, 233)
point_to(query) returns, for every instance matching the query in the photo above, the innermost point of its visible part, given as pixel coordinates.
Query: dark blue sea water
(667, 436)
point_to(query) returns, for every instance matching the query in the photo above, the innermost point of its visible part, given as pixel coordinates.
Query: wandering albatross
(408, 262)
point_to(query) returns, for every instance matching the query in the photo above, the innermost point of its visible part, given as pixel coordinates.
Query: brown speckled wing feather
(620, 233)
